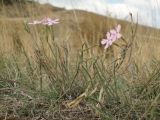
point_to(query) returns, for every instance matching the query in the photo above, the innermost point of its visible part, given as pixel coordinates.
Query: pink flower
(115, 33)
(45, 21)
(49, 21)
(111, 37)
(107, 42)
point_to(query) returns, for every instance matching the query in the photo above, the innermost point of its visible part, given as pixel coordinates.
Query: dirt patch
(14, 109)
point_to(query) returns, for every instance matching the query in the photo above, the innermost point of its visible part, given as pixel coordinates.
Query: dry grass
(76, 28)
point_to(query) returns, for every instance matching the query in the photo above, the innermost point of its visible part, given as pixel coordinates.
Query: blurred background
(146, 11)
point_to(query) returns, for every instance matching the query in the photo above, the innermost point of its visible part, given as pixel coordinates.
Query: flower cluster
(45, 21)
(112, 36)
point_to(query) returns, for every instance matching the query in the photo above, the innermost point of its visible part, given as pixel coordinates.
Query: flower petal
(104, 41)
(35, 22)
(108, 34)
(110, 42)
